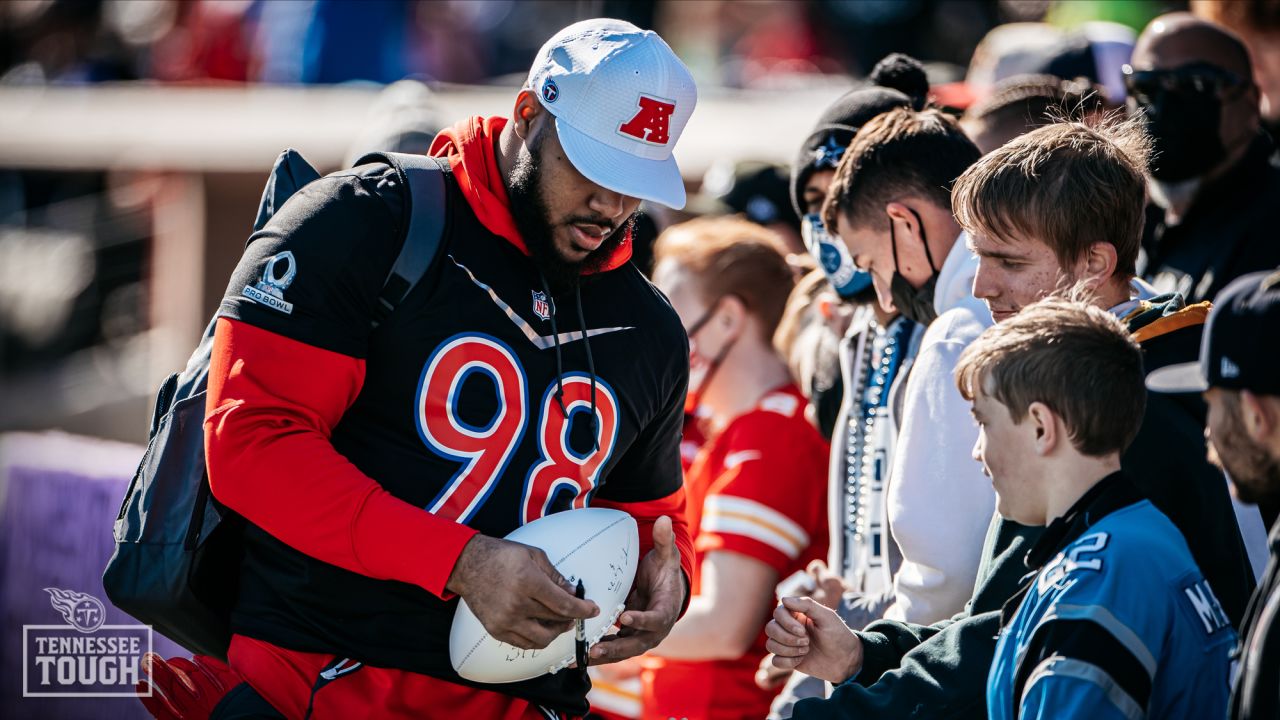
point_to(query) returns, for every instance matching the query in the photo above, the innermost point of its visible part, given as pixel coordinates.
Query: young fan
(1118, 622)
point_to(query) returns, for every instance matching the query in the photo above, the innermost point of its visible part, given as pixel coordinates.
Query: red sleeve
(271, 407)
(646, 514)
(769, 500)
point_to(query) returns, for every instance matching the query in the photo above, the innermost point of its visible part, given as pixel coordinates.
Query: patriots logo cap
(620, 98)
(1240, 345)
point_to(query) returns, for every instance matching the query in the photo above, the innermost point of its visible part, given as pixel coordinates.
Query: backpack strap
(424, 232)
(290, 172)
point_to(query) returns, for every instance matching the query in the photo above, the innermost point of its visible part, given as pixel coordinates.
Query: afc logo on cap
(651, 123)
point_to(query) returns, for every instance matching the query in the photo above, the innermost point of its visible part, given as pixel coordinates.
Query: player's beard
(1254, 473)
(533, 220)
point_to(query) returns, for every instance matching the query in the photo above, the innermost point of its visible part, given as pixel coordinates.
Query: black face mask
(1184, 128)
(915, 303)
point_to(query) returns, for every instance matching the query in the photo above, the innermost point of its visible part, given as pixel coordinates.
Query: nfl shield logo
(541, 307)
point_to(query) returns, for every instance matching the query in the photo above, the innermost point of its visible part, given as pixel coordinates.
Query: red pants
(286, 679)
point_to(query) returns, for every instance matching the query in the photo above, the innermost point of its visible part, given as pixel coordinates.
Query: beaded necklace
(864, 456)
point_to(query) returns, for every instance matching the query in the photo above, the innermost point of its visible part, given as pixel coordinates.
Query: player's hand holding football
(654, 603)
(516, 593)
(807, 636)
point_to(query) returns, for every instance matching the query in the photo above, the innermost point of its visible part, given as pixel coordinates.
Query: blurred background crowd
(134, 133)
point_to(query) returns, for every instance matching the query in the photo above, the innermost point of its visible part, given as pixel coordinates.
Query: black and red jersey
(364, 458)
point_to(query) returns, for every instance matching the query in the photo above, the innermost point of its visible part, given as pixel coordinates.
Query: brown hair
(732, 256)
(1068, 185)
(898, 153)
(1077, 359)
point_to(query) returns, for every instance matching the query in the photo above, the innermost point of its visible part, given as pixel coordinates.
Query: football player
(380, 460)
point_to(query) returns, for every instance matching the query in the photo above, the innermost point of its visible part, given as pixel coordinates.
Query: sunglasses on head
(1146, 86)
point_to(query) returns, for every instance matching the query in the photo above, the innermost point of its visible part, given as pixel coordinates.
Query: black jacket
(940, 671)
(1168, 463)
(1230, 230)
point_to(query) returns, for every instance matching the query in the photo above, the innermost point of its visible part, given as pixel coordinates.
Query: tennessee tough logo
(651, 123)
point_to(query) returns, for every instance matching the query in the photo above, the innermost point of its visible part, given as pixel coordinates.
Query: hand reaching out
(807, 636)
(769, 676)
(828, 587)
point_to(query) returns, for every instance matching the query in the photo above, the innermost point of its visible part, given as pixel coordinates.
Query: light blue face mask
(833, 258)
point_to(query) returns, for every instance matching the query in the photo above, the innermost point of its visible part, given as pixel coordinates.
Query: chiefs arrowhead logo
(651, 123)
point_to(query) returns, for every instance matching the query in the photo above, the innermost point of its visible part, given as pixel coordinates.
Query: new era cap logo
(1229, 369)
(651, 124)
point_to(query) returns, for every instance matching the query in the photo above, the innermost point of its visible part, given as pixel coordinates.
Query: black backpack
(176, 564)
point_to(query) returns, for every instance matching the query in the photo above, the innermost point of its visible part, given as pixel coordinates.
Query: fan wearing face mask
(874, 355)
(1213, 179)
(890, 206)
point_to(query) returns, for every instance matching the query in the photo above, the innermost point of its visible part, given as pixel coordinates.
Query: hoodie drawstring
(555, 339)
(591, 365)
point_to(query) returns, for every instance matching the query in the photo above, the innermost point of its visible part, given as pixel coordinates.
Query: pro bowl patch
(277, 275)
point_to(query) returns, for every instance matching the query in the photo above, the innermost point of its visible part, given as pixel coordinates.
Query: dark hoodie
(320, 432)
(940, 671)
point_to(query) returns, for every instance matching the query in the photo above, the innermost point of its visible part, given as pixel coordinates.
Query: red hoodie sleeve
(646, 514)
(271, 407)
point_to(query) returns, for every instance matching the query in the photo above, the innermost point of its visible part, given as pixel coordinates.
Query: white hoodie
(938, 503)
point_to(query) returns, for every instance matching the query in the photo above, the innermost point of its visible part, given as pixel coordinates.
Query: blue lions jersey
(1119, 624)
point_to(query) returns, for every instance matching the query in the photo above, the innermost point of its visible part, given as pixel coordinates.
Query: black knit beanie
(835, 130)
(898, 80)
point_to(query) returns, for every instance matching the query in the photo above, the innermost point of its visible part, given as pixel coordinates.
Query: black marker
(580, 648)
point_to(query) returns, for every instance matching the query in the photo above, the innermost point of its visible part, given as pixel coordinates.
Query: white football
(599, 546)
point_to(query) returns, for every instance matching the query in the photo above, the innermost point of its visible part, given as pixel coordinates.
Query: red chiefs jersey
(757, 488)
(690, 442)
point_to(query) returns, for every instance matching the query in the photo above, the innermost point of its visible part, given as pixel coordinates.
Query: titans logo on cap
(549, 91)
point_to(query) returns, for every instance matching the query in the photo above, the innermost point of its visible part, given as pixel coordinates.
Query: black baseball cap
(759, 190)
(1240, 349)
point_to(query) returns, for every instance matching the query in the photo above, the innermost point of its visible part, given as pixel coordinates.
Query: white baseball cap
(620, 98)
